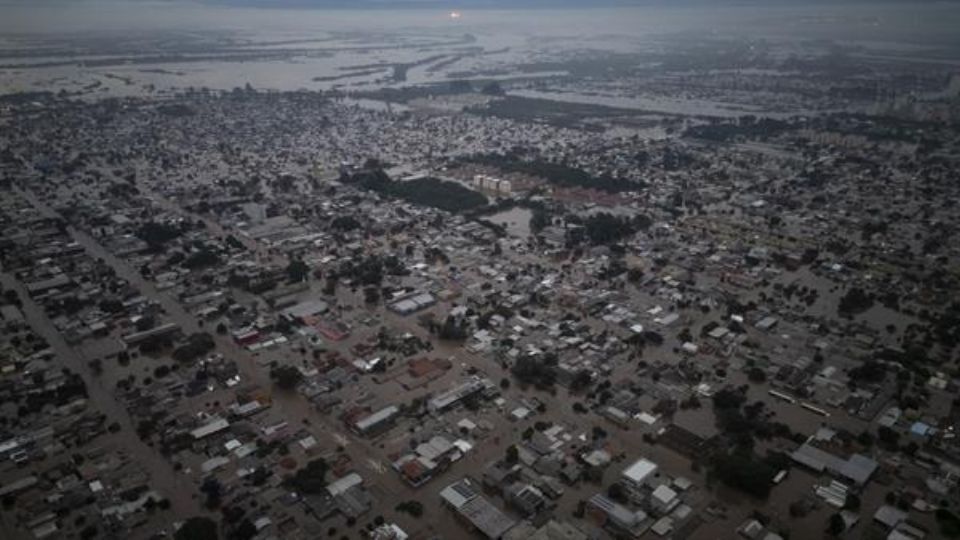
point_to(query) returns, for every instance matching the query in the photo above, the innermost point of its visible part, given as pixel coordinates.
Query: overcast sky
(931, 20)
(459, 4)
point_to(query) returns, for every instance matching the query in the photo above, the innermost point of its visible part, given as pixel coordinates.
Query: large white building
(638, 477)
(492, 184)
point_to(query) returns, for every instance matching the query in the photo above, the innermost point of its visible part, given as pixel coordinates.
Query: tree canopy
(197, 528)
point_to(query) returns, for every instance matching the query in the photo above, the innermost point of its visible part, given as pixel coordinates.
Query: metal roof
(640, 470)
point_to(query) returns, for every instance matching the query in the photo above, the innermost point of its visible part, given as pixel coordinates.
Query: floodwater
(660, 104)
(156, 48)
(516, 221)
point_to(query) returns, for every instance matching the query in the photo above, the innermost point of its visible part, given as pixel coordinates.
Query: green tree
(286, 377)
(310, 479)
(414, 508)
(197, 528)
(836, 525)
(297, 271)
(512, 455)
(757, 375)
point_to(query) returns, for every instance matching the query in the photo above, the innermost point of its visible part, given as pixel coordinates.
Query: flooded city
(531, 270)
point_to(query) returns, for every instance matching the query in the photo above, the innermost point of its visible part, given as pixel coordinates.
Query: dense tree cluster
(157, 235)
(534, 370)
(739, 422)
(855, 301)
(747, 127)
(414, 508)
(371, 270)
(286, 377)
(344, 223)
(949, 523)
(197, 345)
(297, 271)
(202, 258)
(604, 228)
(870, 371)
(310, 479)
(197, 528)
(743, 471)
(449, 196)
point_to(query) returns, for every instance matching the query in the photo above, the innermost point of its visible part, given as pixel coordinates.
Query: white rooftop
(640, 470)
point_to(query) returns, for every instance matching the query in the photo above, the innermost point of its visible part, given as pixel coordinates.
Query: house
(551, 530)
(428, 458)
(618, 518)
(451, 397)
(377, 422)
(497, 474)
(637, 478)
(526, 498)
(349, 495)
(214, 425)
(664, 499)
(857, 468)
(464, 498)
(889, 516)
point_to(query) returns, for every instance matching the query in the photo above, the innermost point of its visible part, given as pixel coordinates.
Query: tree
(531, 370)
(414, 508)
(728, 398)
(799, 509)
(870, 371)
(888, 437)
(512, 455)
(836, 525)
(757, 375)
(949, 523)
(581, 381)
(330, 287)
(442, 194)
(744, 472)
(286, 377)
(245, 531)
(854, 301)
(202, 258)
(310, 479)
(605, 228)
(618, 493)
(539, 220)
(156, 235)
(297, 271)
(197, 345)
(214, 491)
(197, 528)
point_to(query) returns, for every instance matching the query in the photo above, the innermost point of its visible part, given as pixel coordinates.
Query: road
(293, 408)
(366, 457)
(172, 485)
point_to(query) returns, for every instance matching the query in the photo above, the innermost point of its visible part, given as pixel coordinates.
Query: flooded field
(227, 48)
(516, 221)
